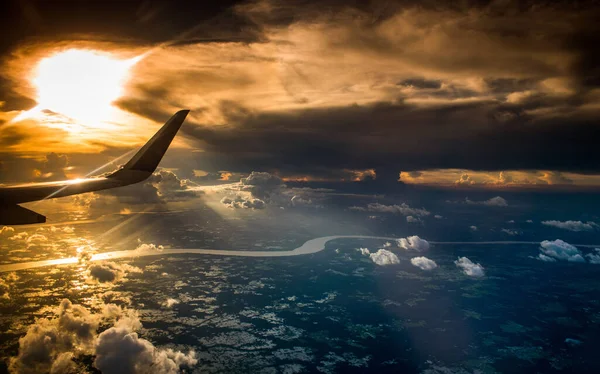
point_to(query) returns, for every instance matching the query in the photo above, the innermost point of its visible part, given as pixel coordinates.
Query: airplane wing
(139, 168)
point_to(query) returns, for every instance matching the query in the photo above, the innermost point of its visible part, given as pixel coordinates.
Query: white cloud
(170, 302)
(403, 209)
(121, 350)
(561, 250)
(494, 201)
(594, 258)
(543, 257)
(469, 268)
(473, 228)
(298, 200)
(411, 219)
(364, 251)
(384, 257)
(572, 225)
(51, 344)
(423, 263)
(414, 243)
(510, 232)
(437, 216)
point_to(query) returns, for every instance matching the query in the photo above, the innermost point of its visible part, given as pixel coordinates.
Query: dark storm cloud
(399, 137)
(486, 86)
(321, 89)
(126, 21)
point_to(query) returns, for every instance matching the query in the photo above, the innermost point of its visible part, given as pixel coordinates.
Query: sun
(80, 85)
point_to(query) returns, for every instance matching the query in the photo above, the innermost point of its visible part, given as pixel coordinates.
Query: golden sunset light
(81, 85)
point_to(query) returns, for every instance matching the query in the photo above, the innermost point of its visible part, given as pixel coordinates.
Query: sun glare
(80, 85)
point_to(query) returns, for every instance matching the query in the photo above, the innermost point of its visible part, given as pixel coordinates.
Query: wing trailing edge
(17, 215)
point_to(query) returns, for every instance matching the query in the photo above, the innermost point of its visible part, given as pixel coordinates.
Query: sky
(469, 94)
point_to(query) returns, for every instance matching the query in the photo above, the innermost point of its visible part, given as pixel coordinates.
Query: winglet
(147, 158)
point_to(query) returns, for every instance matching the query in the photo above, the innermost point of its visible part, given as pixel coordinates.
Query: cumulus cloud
(543, 257)
(364, 251)
(4, 289)
(423, 263)
(53, 167)
(384, 257)
(5, 231)
(120, 350)
(49, 341)
(555, 177)
(261, 184)
(494, 201)
(298, 200)
(411, 219)
(464, 180)
(36, 238)
(560, 250)
(403, 209)
(413, 243)
(161, 187)
(594, 258)
(20, 236)
(262, 188)
(243, 202)
(473, 228)
(170, 187)
(110, 271)
(5, 285)
(170, 302)
(573, 225)
(52, 344)
(469, 268)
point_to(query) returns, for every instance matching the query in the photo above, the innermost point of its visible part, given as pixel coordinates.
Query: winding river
(309, 247)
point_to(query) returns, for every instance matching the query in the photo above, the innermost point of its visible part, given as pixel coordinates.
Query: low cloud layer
(573, 225)
(469, 267)
(494, 201)
(403, 209)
